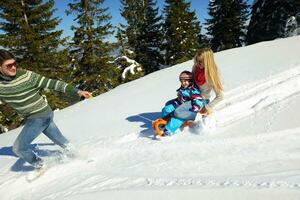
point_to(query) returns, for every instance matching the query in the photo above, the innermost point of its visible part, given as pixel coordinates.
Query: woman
(206, 76)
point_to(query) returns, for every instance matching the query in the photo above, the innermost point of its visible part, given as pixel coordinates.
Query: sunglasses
(11, 65)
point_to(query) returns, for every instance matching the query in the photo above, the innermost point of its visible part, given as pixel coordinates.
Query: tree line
(153, 39)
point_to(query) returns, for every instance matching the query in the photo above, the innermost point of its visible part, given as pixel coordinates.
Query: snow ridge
(248, 99)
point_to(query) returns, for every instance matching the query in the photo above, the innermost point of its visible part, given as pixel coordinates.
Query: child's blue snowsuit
(190, 93)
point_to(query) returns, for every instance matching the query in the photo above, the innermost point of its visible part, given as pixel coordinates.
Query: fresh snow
(132, 66)
(249, 148)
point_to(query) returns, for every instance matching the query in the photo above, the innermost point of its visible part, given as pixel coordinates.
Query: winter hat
(186, 75)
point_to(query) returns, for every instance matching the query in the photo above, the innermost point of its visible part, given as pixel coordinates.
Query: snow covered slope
(251, 149)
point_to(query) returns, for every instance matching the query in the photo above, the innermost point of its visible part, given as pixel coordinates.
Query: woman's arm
(219, 97)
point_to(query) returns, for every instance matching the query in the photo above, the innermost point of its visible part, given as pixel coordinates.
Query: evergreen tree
(203, 41)
(29, 32)
(268, 19)
(131, 12)
(93, 70)
(150, 38)
(227, 23)
(143, 32)
(122, 42)
(181, 32)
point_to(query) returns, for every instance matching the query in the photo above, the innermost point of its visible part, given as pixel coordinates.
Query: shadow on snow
(146, 119)
(20, 164)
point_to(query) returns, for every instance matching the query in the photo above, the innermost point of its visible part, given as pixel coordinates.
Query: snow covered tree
(90, 50)
(292, 27)
(269, 18)
(127, 42)
(227, 23)
(143, 32)
(181, 32)
(131, 69)
(126, 60)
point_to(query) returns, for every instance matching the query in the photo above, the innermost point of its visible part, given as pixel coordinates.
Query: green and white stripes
(23, 92)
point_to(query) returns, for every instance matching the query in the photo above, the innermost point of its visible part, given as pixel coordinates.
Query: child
(186, 92)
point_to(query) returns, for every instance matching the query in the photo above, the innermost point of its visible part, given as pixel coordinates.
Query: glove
(195, 108)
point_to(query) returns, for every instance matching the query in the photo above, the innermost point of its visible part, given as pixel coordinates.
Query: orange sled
(159, 124)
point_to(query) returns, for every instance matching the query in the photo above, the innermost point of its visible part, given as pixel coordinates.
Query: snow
(249, 150)
(133, 65)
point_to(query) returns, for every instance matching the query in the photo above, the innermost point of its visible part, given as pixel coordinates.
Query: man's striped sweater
(23, 92)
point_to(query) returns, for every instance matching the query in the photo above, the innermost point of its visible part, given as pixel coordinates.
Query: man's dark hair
(5, 55)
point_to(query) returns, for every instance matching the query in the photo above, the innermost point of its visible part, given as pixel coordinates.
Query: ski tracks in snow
(185, 160)
(131, 162)
(250, 98)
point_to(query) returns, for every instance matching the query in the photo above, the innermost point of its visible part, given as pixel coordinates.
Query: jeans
(184, 111)
(32, 129)
(182, 114)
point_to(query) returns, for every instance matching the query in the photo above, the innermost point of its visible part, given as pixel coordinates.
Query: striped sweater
(23, 92)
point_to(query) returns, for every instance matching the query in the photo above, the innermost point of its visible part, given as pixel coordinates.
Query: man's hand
(84, 94)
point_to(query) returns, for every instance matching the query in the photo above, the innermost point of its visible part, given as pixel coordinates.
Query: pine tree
(181, 32)
(227, 23)
(29, 31)
(268, 19)
(122, 41)
(131, 12)
(143, 32)
(93, 70)
(150, 38)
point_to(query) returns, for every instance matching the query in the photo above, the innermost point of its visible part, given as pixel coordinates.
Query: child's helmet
(186, 75)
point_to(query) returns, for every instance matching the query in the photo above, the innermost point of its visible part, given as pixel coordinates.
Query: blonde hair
(212, 74)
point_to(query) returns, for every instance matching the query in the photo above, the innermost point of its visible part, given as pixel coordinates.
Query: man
(20, 89)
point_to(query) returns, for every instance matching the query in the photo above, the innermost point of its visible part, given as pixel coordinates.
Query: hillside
(250, 150)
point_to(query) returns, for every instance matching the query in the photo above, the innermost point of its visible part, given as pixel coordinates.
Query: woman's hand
(207, 110)
(84, 94)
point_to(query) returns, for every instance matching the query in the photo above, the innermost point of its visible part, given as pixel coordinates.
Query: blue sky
(199, 6)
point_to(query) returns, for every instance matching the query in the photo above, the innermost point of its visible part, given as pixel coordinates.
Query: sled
(159, 124)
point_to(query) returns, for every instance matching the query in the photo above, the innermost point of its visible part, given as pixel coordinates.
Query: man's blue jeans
(32, 129)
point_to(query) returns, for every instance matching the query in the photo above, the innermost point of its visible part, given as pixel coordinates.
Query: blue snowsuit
(190, 94)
